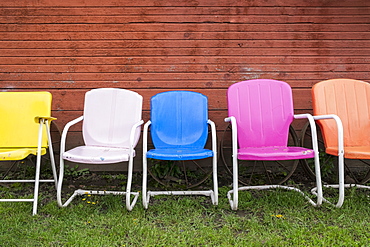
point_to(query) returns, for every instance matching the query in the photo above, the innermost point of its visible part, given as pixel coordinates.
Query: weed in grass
(75, 171)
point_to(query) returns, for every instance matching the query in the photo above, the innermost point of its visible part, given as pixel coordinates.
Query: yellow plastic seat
(24, 131)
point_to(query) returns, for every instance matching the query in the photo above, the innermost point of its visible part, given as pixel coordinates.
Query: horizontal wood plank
(172, 60)
(96, 47)
(182, 3)
(13, 29)
(181, 68)
(50, 10)
(179, 79)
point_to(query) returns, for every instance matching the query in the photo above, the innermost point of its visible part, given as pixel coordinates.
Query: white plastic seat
(111, 130)
(97, 155)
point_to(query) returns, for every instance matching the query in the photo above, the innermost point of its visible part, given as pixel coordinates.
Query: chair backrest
(263, 110)
(109, 114)
(18, 128)
(179, 119)
(350, 100)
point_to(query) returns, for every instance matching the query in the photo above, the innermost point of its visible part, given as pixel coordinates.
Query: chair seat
(358, 152)
(179, 154)
(97, 155)
(19, 153)
(275, 153)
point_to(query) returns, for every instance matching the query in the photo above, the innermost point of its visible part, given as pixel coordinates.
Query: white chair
(111, 130)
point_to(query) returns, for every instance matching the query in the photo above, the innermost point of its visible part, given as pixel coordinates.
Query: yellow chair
(24, 131)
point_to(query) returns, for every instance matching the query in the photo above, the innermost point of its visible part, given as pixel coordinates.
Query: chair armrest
(214, 138)
(39, 118)
(64, 134)
(145, 137)
(339, 128)
(312, 123)
(234, 135)
(323, 117)
(133, 132)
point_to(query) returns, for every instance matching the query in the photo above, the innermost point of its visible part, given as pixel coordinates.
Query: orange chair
(349, 100)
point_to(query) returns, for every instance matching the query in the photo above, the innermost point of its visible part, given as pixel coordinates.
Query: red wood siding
(68, 47)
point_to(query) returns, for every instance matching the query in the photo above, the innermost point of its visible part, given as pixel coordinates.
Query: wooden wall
(68, 47)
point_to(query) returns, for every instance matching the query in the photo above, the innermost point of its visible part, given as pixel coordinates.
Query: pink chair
(111, 130)
(260, 112)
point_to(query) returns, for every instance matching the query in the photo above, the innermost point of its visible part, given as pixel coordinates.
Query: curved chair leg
(214, 195)
(145, 182)
(130, 205)
(234, 202)
(147, 194)
(51, 154)
(128, 193)
(38, 167)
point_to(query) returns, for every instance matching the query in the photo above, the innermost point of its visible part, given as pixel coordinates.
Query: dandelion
(83, 199)
(277, 215)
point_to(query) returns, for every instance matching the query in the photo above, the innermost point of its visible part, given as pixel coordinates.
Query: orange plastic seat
(349, 100)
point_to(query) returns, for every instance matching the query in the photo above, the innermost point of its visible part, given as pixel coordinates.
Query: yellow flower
(278, 215)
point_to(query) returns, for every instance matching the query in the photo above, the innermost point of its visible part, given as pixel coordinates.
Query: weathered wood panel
(69, 47)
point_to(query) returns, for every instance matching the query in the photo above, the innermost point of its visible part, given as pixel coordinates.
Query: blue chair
(179, 131)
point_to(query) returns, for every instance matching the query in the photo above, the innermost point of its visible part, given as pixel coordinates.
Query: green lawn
(264, 218)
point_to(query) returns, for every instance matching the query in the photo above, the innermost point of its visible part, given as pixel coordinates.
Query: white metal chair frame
(211, 193)
(129, 204)
(43, 121)
(341, 185)
(233, 200)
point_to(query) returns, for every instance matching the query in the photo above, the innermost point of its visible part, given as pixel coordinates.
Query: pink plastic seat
(274, 153)
(111, 130)
(260, 112)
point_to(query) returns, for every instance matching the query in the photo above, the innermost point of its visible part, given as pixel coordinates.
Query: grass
(264, 218)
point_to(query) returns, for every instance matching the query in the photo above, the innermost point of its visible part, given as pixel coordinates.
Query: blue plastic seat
(179, 131)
